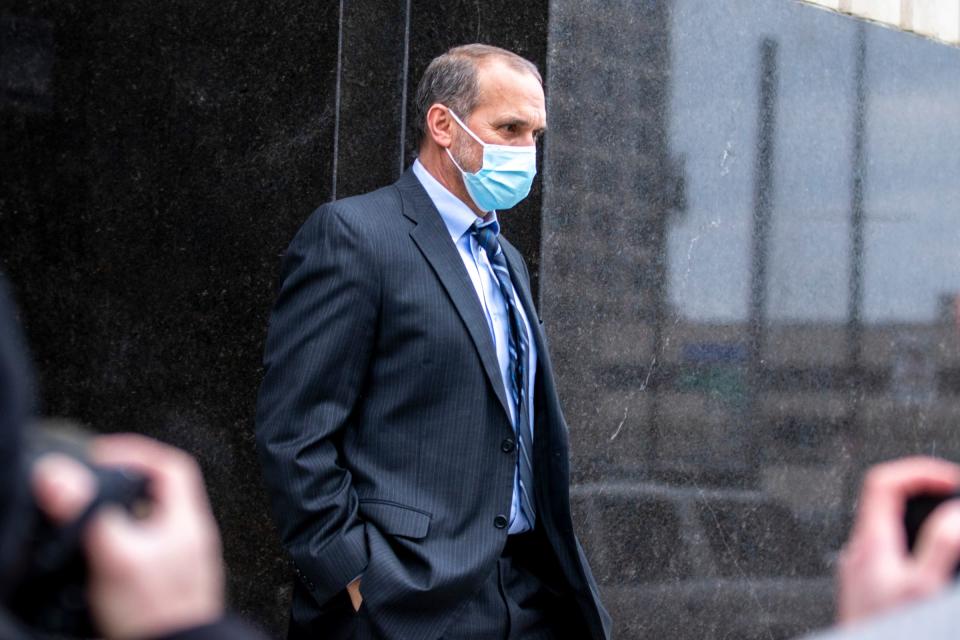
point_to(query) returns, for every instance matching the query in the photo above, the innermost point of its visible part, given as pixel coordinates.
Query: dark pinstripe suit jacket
(381, 417)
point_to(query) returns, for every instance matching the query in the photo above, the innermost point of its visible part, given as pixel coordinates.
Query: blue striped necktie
(486, 235)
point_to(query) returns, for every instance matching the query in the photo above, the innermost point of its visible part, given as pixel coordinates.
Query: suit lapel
(544, 365)
(433, 240)
(547, 404)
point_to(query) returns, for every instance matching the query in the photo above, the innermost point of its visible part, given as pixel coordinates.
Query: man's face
(511, 111)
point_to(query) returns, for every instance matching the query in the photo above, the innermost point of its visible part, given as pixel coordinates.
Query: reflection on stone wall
(938, 19)
(747, 293)
(614, 188)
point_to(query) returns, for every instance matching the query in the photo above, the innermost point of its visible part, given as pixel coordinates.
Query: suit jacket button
(500, 522)
(507, 445)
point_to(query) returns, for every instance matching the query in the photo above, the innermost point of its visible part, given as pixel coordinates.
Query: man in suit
(408, 422)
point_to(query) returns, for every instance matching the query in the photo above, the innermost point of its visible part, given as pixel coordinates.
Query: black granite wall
(156, 158)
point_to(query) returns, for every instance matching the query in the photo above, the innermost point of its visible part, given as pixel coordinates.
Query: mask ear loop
(472, 135)
(489, 145)
(455, 163)
(465, 128)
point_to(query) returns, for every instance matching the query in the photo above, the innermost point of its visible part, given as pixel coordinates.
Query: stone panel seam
(336, 103)
(403, 88)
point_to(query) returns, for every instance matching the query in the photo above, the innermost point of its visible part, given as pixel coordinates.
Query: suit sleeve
(227, 628)
(16, 400)
(317, 352)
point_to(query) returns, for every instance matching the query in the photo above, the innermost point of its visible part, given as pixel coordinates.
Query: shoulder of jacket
(381, 203)
(363, 214)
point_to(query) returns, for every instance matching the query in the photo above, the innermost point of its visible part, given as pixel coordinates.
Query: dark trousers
(523, 598)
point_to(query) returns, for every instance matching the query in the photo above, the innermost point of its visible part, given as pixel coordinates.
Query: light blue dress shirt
(458, 218)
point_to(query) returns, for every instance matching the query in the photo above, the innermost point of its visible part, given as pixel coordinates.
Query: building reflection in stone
(749, 279)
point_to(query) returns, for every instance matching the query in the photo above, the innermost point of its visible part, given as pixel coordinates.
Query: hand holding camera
(151, 574)
(878, 570)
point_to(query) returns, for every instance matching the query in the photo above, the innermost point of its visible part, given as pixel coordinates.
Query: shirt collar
(456, 215)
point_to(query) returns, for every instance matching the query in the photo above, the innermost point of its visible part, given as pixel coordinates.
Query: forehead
(504, 88)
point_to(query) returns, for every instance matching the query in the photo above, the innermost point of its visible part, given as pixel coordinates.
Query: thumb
(110, 532)
(62, 486)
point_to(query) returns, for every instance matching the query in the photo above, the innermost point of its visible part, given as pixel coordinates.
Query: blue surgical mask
(505, 177)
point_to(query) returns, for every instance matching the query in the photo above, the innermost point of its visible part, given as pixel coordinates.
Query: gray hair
(451, 80)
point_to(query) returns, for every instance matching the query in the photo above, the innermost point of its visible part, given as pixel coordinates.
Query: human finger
(62, 486)
(109, 534)
(886, 489)
(176, 483)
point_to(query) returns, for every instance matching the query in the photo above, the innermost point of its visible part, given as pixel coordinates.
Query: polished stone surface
(749, 280)
(156, 160)
(747, 256)
(373, 78)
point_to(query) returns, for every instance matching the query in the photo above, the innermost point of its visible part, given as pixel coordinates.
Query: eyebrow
(522, 122)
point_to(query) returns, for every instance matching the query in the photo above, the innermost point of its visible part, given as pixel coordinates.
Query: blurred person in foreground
(885, 590)
(160, 576)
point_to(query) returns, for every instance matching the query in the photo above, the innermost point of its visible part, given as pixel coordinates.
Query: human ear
(440, 125)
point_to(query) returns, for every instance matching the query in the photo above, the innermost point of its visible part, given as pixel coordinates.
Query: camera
(50, 576)
(919, 507)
